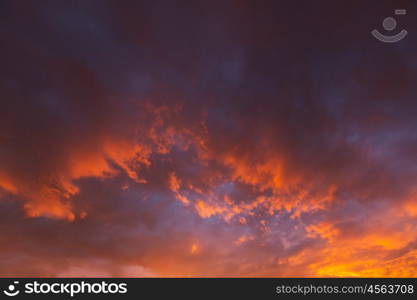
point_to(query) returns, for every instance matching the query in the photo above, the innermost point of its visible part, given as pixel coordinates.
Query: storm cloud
(212, 138)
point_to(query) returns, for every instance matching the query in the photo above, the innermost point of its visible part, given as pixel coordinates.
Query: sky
(207, 138)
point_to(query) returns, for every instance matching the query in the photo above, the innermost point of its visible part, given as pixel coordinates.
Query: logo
(11, 290)
(390, 24)
(68, 288)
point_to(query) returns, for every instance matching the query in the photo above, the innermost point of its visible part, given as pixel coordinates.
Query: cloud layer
(224, 138)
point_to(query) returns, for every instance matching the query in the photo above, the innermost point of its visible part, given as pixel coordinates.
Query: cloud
(147, 139)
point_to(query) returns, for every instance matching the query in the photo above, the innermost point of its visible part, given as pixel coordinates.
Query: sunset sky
(207, 138)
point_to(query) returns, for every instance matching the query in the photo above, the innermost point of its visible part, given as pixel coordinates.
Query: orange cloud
(7, 184)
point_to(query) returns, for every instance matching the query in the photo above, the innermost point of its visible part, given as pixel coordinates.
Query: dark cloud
(221, 138)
